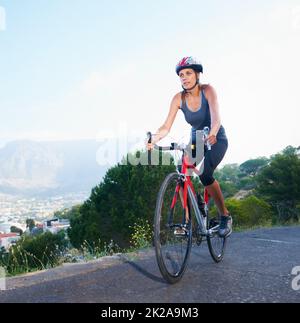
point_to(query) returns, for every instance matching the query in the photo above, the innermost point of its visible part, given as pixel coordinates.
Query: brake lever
(206, 133)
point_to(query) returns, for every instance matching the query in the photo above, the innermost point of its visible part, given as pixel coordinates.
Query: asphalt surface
(257, 268)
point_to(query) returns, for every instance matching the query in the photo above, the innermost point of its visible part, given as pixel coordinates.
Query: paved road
(257, 268)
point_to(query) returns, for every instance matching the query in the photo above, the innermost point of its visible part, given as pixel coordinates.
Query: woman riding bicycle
(199, 104)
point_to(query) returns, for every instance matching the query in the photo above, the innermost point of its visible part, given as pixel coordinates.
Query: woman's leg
(212, 159)
(214, 190)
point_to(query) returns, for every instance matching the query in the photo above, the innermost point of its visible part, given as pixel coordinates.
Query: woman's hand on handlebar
(151, 141)
(211, 139)
(149, 146)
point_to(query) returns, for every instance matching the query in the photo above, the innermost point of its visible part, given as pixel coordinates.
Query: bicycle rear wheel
(216, 244)
(172, 250)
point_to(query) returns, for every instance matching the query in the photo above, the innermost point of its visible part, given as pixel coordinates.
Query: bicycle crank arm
(213, 230)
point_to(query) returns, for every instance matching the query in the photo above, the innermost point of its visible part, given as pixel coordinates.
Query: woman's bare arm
(166, 127)
(212, 99)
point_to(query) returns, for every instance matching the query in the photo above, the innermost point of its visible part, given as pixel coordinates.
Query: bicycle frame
(188, 190)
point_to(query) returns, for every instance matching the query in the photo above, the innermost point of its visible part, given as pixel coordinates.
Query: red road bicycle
(182, 218)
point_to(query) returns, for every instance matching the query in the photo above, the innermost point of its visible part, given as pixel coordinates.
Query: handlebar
(174, 145)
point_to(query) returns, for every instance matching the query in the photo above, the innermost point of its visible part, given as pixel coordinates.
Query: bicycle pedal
(181, 232)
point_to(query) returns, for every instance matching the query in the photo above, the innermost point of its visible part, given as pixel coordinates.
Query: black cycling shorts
(212, 159)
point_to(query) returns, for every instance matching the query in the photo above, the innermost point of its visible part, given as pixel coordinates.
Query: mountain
(49, 168)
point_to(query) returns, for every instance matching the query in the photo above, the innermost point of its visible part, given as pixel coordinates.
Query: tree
(229, 173)
(252, 166)
(227, 177)
(279, 183)
(67, 213)
(126, 194)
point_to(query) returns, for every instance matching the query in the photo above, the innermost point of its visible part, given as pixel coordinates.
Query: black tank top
(200, 118)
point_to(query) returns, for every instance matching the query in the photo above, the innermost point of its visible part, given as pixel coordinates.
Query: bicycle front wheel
(172, 241)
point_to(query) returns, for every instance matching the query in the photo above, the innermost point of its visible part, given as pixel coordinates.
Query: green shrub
(253, 212)
(142, 234)
(98, 249)
(248, 212)
(34, 253)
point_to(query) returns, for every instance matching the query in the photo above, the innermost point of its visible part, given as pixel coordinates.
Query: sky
(74, 69)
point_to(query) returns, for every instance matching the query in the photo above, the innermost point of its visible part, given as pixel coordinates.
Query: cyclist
(200, 107)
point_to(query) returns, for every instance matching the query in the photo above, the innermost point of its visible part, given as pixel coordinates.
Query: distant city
(39, 178)
(15, 210)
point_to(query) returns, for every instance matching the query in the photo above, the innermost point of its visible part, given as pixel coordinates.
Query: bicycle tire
(161, 231)
(217, 253)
